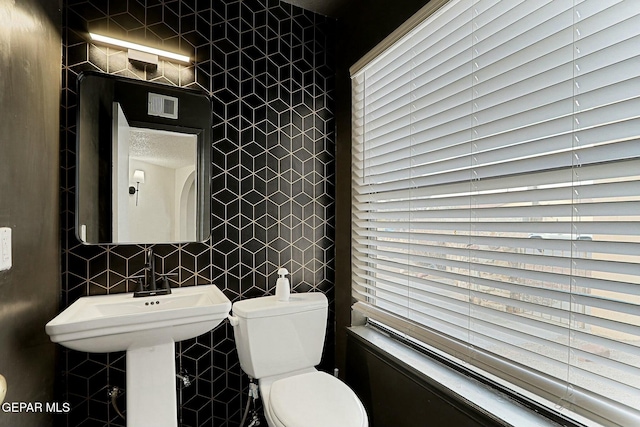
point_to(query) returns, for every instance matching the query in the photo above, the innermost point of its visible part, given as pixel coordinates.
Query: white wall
(154, 218)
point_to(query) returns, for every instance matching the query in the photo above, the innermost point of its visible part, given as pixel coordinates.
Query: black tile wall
(268, 68)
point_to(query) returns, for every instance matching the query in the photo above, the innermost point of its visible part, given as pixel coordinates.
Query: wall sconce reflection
(138, 177)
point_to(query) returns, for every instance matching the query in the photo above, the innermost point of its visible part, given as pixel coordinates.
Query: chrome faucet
(147, 283)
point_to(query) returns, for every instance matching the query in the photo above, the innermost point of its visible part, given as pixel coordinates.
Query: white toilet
(279, 343)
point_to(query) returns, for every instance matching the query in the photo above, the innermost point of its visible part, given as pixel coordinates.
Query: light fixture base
(144, 57)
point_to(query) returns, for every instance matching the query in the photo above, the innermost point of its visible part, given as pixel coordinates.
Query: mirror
(144, 162)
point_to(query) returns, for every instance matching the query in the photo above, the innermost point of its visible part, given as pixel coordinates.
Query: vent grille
(163, 106)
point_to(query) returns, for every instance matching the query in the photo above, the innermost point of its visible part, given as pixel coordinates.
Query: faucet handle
(139, 279)
(165, 276)
(164, 280)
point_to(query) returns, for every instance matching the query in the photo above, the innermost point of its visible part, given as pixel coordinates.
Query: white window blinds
(496, 207)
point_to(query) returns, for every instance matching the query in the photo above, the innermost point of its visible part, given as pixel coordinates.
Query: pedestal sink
(146, 328)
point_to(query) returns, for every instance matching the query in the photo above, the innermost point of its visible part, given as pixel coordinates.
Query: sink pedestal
(151, 386)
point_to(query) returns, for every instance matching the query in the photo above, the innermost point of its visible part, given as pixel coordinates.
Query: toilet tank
(274, 337)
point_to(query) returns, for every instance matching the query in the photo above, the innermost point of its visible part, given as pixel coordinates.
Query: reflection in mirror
(148, 182)
(163, 208)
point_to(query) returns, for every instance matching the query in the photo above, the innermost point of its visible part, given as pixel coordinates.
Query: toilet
(279, 343)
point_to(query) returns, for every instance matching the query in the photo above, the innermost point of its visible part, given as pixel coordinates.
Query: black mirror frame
(133, 94)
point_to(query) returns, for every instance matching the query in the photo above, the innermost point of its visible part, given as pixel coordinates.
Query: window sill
(453, 383)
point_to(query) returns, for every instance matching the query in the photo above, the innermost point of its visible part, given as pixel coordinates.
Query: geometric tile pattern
(268, 68)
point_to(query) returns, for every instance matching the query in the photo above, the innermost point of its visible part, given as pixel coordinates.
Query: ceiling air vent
(163, 106)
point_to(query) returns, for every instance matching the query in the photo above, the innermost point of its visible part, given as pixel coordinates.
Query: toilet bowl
(311, 399)
(279, 344)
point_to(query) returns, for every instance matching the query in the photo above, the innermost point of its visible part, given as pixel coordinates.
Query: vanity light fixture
(138, 177)
(140, 52)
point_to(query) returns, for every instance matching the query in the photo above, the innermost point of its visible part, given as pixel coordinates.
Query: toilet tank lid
(270, 306)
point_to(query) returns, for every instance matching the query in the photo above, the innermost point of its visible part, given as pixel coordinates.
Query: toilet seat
(315, 399)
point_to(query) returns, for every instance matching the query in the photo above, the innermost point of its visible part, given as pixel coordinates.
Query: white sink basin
(118, 322)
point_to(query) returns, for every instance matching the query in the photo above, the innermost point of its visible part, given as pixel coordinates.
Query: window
(496, 195)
